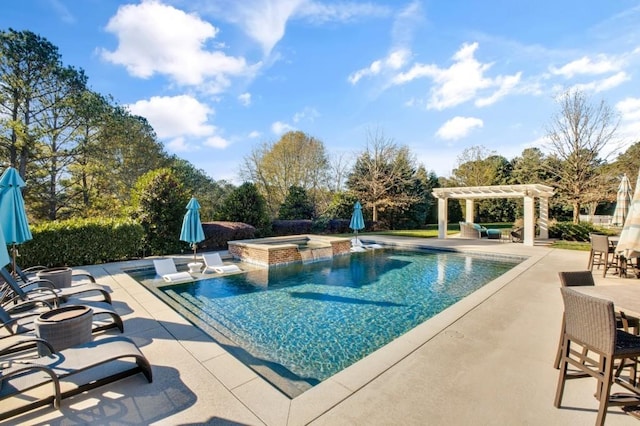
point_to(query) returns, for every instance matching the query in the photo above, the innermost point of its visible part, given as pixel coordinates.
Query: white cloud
(216, 142)
(460, 82)
(394, 61)
(458, 127)
(181, 121)
(405, 22)
(265, 21)
(280, 127)
(154, 38)
(629, 109)
(506, 84)
(308, 114)
(175, 116)
(254, 134)
(585, 65)
(603, 84)
(340, 12)
(179, 145)
(245, 99)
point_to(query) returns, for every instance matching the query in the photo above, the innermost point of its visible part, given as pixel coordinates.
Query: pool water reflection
(299, 324)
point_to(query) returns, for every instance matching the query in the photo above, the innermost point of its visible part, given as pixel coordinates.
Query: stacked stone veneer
(282, 250)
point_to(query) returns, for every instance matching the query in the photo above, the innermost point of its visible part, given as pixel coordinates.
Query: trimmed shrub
(77, 242)
(338, 226)
(570, 231)
(291, 227)
(217, 234)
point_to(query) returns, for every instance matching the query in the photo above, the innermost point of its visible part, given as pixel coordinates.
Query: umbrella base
(194, 267)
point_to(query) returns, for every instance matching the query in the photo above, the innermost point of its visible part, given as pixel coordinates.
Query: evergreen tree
(245, 204)
(296, 205)
(159, 204)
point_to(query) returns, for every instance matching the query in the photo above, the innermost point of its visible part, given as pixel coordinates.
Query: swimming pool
(299, 324)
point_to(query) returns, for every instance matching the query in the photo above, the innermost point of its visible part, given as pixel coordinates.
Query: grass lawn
(431, 231)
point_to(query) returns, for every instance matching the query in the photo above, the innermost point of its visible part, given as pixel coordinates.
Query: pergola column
(442, 217)
(529, 225)
(468, 214)
(544, 218)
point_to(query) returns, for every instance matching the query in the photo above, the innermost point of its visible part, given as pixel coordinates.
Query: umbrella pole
(14, 252)
(194, 251)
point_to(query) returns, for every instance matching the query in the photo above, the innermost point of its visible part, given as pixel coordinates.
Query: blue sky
(215, 78)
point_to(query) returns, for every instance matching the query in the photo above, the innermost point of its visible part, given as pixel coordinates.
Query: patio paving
(488, 360)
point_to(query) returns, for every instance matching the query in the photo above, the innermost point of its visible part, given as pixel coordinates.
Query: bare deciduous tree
(383, 175)
(580, 136)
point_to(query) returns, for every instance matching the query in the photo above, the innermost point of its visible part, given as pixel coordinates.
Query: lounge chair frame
(80, 363)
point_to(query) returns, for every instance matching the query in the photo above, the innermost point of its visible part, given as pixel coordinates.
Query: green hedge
(81, 242)
(569, 231)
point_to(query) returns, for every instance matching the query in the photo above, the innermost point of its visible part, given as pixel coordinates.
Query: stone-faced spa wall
(282, 250)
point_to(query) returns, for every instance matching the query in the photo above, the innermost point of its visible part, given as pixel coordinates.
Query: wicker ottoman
(494, 234)
(65, 327)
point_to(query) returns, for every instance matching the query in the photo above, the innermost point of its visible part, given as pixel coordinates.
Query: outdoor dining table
(623, 263)
(625, 297)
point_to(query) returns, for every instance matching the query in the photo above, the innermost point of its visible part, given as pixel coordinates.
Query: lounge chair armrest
(37, 282)
(16, 370)
(83, 275)
(27, 342)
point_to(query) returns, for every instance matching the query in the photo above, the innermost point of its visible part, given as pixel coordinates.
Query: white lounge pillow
(177, 276)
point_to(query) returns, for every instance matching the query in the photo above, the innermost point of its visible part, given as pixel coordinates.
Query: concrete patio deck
(488, 360)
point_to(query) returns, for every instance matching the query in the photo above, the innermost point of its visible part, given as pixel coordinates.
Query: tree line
(83, 155)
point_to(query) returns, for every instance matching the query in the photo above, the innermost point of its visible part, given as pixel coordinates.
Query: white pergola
(527, 192)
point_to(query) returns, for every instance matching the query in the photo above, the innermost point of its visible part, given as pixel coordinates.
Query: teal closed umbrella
(4, 254)
(13, 216)
(191, 231)
(357, 220)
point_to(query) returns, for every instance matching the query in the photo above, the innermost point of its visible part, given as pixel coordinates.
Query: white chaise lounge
(166, 268)
(213, 261)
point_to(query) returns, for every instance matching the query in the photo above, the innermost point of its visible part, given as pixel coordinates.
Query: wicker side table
(60, 277)
(65, 327)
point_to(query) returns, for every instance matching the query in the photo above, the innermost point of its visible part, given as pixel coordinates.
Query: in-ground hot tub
(288, 249)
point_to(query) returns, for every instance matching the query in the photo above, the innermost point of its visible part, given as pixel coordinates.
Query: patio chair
(90, 290)
(602, 254)
(49, 297)
(166, 268)
(69, 372)
(585, 278)
(590, 322)
(79, 276)
(517, 235)
(213, 261)
(471, 230)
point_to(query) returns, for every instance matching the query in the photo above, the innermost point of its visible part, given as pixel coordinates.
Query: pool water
(297, 325)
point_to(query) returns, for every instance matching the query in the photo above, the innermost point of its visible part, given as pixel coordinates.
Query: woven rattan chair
(590, 323)
(602, 254)
(585, 278)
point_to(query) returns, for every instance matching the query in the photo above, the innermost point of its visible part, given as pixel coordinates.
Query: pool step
(205, 314)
